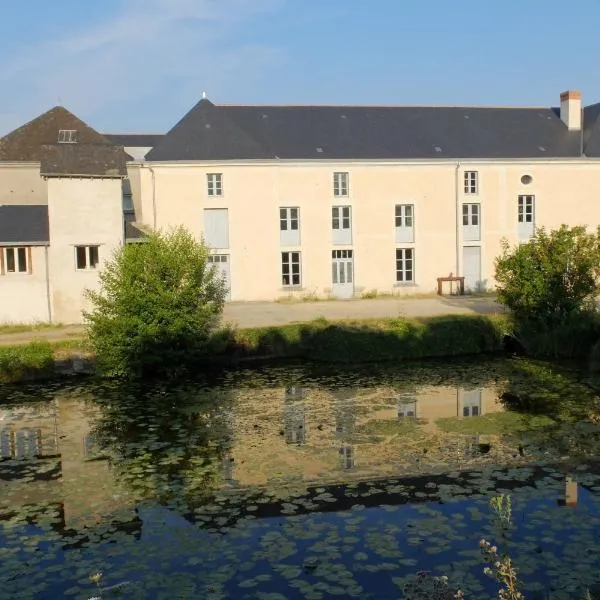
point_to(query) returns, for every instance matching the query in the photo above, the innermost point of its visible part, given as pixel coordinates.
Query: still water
(301, 482)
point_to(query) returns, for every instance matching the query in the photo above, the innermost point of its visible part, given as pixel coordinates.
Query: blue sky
(139, 65)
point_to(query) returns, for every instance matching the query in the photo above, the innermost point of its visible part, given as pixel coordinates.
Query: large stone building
(294, 200)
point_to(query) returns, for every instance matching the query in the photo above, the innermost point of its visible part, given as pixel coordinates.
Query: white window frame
(289, 259)
(404, 221)
(214, 184)
(341, 184)
(287, 220)
(21, 257)
(339, 220)
(67, 136)
(471, 221)
(471, 182)
(404, 255)
(90, 265)
(526, 201)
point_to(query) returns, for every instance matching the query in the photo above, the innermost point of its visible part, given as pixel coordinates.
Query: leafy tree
(552, 278)
(158, 307)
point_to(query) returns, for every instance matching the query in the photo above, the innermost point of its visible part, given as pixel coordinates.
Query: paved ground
(261, 314)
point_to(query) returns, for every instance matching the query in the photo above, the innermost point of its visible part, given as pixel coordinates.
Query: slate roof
(132, 233)
(25, 143)
(136, 140)
(591, 130)
(24, 223)
(85, 160)
(222, 132)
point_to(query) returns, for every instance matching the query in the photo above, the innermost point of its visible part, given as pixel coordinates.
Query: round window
(526, 179)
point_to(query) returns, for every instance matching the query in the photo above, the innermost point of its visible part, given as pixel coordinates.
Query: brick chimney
(570, 109)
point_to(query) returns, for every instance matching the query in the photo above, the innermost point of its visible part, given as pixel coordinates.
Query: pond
(302, 481)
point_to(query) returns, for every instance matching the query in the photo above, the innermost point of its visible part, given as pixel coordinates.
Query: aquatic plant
(502, 507)
(502, 570)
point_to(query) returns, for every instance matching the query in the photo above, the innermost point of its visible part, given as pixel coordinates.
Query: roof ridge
(457, 106)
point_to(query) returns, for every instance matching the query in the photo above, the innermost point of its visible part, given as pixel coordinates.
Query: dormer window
(67, 136)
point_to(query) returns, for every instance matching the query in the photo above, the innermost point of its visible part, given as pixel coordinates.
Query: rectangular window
(67, 136)
(128, 204)
(215, 184)
(289, 226)
(471, 182)
(526, 217)
(405, 265)
(341, 225)
(471, 222)
(15, 260)
(405, 220)
(526, 209)
(340, 184)
(216, 227)
(86, 257)
(290, 269)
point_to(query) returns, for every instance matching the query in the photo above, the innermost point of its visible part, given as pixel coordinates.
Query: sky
(140, 65)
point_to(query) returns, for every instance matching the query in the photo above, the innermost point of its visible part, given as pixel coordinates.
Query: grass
(25, 327)
(494, 423)
(353, 341)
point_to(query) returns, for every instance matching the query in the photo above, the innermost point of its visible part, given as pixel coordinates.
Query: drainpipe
(153, 198)
(48, 299)
(458, 215)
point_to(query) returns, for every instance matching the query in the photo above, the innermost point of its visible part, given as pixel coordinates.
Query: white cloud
(150, 51)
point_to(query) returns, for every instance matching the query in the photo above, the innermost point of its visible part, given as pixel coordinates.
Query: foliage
(502, 570)
(555, 275)
(158, 307)
(376, 340)
(22, 362)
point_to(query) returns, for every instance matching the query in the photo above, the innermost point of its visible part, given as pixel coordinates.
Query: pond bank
(350, 341)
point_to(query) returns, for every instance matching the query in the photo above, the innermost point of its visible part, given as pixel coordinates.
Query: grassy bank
(369, 340)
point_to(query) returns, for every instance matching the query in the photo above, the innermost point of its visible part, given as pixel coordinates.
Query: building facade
(327, 201)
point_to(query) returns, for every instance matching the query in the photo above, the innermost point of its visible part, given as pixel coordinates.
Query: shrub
(157, 309)
(552, 277)
(19, 363)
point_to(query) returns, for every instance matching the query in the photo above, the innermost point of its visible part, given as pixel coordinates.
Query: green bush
(158, 308)
(20, 363)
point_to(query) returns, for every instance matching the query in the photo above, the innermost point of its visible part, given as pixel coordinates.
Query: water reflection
(99, 463)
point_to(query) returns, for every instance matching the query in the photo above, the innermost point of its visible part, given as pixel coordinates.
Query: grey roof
(135, 140)
(591, 130)
(133, 233)
(85, 160)
(212, 132)
(24, 223)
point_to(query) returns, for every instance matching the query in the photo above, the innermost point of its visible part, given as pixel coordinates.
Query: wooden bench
(451, 279)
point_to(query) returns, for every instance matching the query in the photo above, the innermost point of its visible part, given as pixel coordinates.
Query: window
(290, 269)
(526, 205)
(404, 218)
(128, 204)
(340, 184)
(289, 219)
(215, 184)
(405, 265)
(471, 182)
(216, 227)
(340, 217)
(86, 257)
(67, 136)
(15, 260)
(471, 222)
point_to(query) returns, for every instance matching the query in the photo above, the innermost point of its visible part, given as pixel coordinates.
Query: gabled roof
(134, 140)
(591, 130)
(83, 160)
(25, 143)
(211, 132)
(24, 224)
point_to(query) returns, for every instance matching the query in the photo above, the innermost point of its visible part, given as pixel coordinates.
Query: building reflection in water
(294, 415)
(345, 425)
(470, 403)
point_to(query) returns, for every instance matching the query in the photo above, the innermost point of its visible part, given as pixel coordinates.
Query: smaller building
(61, 217)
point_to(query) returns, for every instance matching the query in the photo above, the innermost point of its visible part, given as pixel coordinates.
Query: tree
(157, 309)
(552, 278)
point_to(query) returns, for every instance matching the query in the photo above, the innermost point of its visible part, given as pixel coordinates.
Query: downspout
(458, 215)
(48, 299)
(153, 198)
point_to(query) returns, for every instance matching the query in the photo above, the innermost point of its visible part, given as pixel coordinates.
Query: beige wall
(81, 212)
(253, 194)
(25, 295)
(21, 183)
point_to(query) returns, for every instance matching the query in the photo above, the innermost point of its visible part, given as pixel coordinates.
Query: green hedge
(374, 340)
(28, 361)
